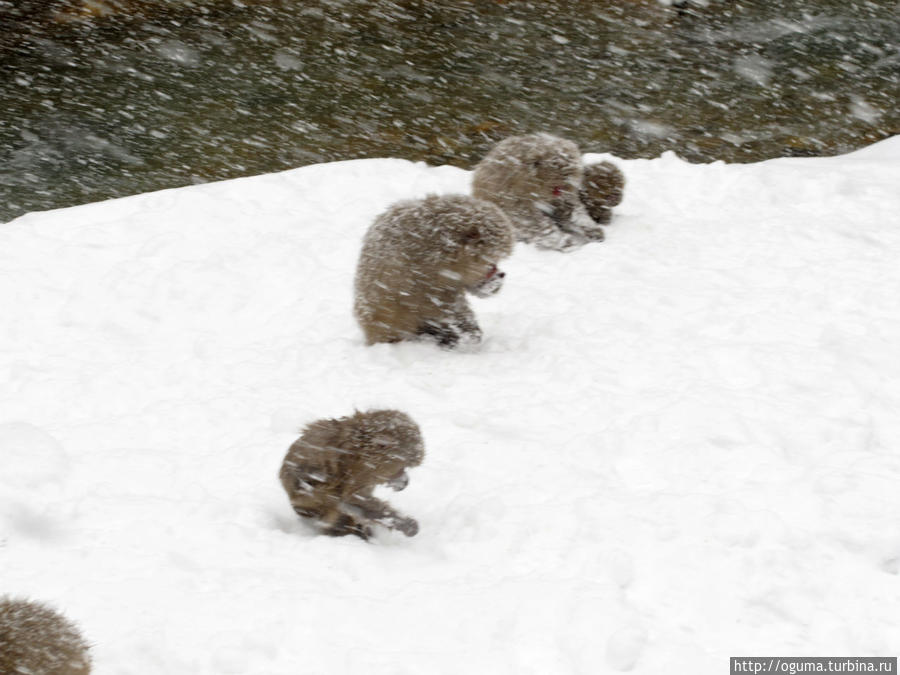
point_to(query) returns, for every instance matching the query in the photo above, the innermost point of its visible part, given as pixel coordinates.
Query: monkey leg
(455, 322)
(306, 505)
(379, 512)
(336, 523)
(348, 525)
(443, 333)
(305, 512)
(558, 240)
(324, 510)
(464, 319)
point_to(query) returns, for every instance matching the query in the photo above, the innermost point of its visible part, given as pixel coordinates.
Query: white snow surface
(672, 447)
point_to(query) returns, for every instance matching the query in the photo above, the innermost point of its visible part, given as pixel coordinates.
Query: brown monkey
(418, 261)
(330, 471)
(36, 639)
(601, 189)
(535, 180)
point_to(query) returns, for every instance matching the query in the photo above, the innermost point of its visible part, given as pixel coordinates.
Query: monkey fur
(601, 189)
(36, 639)
(330, 471)
(419, 259)
(536, 180)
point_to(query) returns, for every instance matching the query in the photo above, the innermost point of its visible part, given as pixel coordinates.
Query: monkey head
(482, 235)
(393, 443)
(536, 180)
(482, 251)
(35, 638)
(544, 167)
(602, 188)
(554, 165)
(399, 481)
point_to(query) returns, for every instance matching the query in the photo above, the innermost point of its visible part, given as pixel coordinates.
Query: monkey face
(483, 278)
(557, 184)
(393, 474)
(490, 284)
(399, 481)
(481, 248)
(556, 172)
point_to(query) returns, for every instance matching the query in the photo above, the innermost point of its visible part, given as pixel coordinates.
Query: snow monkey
(535, 180)
(418, 261)
(601, 189)
(330, 471)
(37, 639)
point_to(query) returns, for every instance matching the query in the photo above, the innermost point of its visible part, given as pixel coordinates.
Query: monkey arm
(557, 240)
(587, 223)
(564, 225)
(443, 333)
(453, 320)
(464, 319)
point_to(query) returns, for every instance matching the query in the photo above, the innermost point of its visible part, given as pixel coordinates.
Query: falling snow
(672, 447)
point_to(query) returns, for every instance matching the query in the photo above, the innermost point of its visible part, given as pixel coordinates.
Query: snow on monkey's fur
(330, 471)
(37, 639)
(536, 180)
(418, 261)
(669, 449)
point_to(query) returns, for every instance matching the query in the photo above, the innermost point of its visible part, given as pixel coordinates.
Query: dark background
(104, 98)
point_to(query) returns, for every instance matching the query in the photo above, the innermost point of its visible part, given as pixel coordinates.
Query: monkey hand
(407, 526)
(595, 234)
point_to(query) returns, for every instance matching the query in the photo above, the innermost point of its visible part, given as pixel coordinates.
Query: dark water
(137, 95)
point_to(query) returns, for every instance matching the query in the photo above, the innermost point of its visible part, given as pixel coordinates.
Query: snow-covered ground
(676, 446)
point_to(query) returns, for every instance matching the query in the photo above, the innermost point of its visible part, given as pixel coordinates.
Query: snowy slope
(673, 447)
